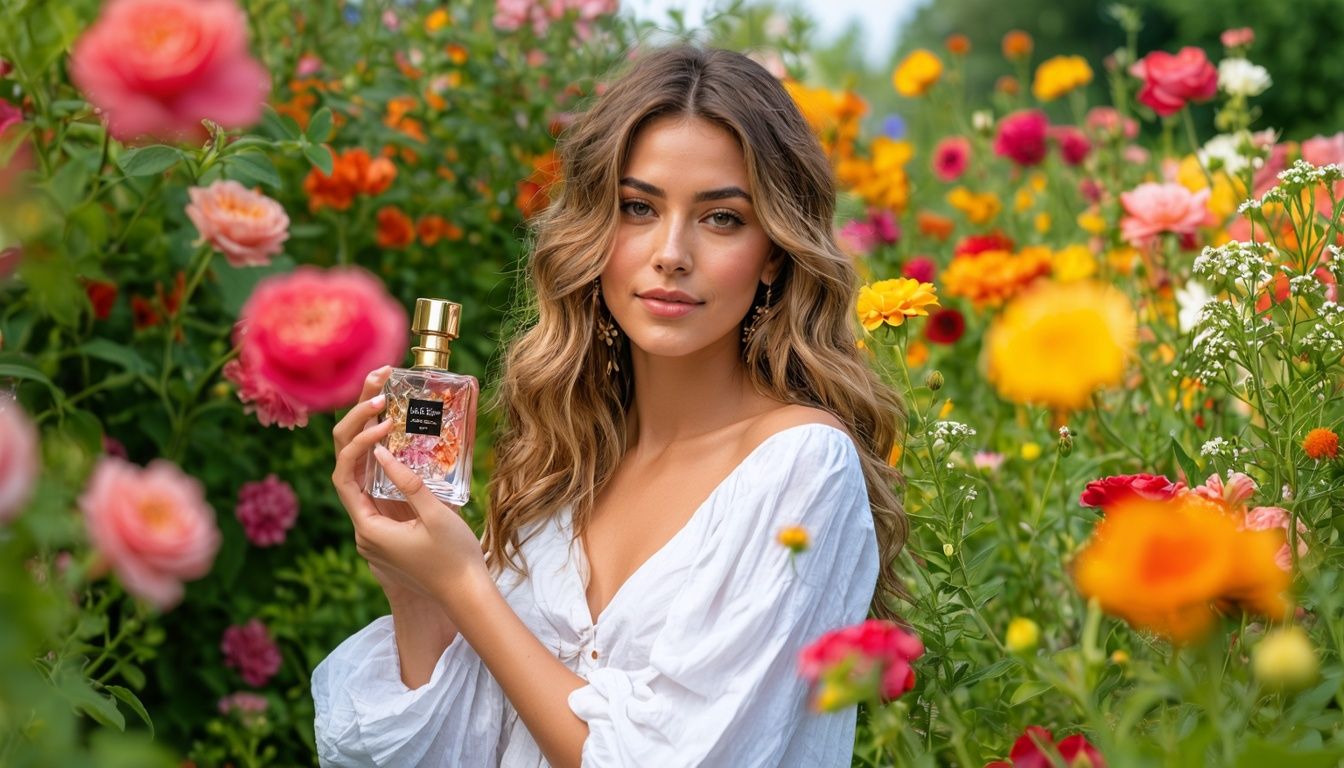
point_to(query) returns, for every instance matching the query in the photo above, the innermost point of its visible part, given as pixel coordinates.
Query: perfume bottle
(434, 411)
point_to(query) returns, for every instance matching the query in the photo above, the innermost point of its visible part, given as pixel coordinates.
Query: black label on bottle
(424, 417)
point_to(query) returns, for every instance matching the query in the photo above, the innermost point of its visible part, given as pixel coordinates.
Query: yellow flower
(1031, 451)
(894, 458)
(980, 208)
(833, 115)
(917, 73)
(436, 20)
(1023, 199)
(1120, 656)
(1122, 259)
(1056, 344)
(1091, 222)
(794, 538)
(1037, 181)
(1060, 75)
(1285, 660)
(1042, 222)
(1074, 262)
(1023, 634)
(990, 278)
(880, 179)
(891, 301)
(946, 410)
(916, 354)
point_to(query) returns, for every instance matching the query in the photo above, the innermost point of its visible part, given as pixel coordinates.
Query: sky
(880, 17)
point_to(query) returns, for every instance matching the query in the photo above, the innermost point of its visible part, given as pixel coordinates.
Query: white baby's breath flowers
(947, 430)
(1224, 152)
(1249, 263)
(1239, 77)
(1220, 448)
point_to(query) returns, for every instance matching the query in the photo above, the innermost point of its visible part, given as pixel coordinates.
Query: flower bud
(1285, 660)
(1023, 634)
(1065, 441)
(949, 550)
(934, 381)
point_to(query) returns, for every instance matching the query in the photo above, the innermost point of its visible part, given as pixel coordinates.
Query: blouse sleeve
(366, 716)
(722, 686)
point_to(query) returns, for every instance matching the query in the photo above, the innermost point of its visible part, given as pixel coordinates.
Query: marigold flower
(916, 354)
(1060, 75)
(932, 225)
(1072, 263)
(992, 277)
(1022, 635)
(794, 538)
(958, 44)
(1056, 344)
(1166, 566)
(917, 73)
(892, 301)
(534, 192)
(1007, 85)
(879, 179)
(437, 19)
(979, 207)
(1321, 443)
(1017, 44)
(395, 228)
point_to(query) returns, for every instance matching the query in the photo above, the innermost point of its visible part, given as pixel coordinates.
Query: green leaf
(1259, 753)
(279, 126)
(319, 126)
(19, 371)
(131, 700)
(1186, 464)
(75, 688)
(147, 161)
(319, 156)
(997, 669)
(112, 352)
(90, 625)
(1028, 690)
(253, 168)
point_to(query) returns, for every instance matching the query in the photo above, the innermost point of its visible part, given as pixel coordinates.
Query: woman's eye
(725, 219)
(637, 208)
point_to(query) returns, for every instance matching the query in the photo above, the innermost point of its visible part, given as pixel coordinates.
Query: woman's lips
(664, 308)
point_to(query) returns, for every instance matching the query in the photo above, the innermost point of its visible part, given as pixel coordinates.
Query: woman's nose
(673, 251)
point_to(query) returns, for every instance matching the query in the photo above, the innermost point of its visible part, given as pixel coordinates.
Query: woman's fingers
(350, 462)
(368, 406)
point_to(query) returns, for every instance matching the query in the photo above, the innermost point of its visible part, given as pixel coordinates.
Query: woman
(690, 386)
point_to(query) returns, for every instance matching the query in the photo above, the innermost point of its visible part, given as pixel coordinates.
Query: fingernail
(377, 400)
(381, 453)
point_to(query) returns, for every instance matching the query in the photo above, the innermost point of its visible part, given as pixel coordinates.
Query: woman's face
(689, 248)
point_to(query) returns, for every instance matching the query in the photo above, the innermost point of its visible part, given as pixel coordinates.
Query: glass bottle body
(435, 427)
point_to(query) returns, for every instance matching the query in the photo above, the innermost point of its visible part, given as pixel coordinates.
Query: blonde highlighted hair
(564, 416)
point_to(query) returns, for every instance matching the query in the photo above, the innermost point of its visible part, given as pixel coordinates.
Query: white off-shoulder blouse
(694, 662)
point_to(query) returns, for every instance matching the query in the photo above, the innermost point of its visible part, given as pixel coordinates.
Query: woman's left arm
(440, 552)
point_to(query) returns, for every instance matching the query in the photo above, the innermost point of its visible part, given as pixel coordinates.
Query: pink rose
(1073, 144)
(151, 525)
(1021, 137)
(1239, 37)
(1324, 150)
(314, 334)
(1270, 518)
(18, 458)
(267, 509)
(1106, 122)
(1134, 155)
(1232, 493)
(1109, 491)
(249, 649)
(1151, 209)
(1170, 81)
(246, 226)
(950, 158)
(873, 646)
(160, 67)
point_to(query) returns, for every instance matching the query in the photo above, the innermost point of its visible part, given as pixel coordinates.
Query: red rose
(1027, 751)
(1022, 136)
(1109, 490)
(1170, 81)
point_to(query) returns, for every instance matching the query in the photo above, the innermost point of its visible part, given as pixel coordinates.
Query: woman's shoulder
(790, 418)
(801, 432)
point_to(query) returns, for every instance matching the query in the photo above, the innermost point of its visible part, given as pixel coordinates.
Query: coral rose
(18, 458)
(315, 334)
(159, 67)
(1152, 208)
(1021, 137)
(246, 226)
(1171, 81)
(151, 525)
(1110, 490)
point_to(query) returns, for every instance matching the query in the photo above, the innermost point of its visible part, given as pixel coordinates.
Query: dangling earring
(606, 330)
(760, 313)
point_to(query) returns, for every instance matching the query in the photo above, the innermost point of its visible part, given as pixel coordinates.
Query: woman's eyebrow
(700, 197)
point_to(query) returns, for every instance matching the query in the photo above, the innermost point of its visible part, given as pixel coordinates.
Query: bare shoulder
(784, 417)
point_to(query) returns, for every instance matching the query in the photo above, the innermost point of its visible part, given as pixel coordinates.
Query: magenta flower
(249, 649)
(1170, 81)
(267, 509)
(920, 268)
(951, 156)
(1021, 137)
(1073, 144)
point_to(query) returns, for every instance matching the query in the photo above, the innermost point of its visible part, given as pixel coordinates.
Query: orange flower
(1017, 44)
(395, 229)
(917, 73)
(437, 19)
(534, 191)
(433, 227)
(456, 53)
(990, 278)
(958, 44)
(794, 538)
(396, 118)
(1168, 566)
(353, 173)
(1007, 85)
(933, 225)
(1321, 443)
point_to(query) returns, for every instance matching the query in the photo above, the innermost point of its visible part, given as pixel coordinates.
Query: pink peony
(1240, 37)
(1073, 144)
(160, 67)
(1232, 493)
(243, 703)
(249, 649)
(1109, 491)
(879, 651)
(151, 525)
(313, 335)
(259, 396)
(1021, 137)
(950, 158)
(19, 461)
(1134, 155)
(920, 268)
(267, 509)
(1270, 518)
(246, 226)
(1152, 208)
(1171, 81)
(1106, 122)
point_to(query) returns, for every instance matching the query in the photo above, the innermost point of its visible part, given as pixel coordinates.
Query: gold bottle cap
(437, 316)
(437, 322)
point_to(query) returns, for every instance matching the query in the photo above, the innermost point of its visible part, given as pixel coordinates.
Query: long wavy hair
(564, 415)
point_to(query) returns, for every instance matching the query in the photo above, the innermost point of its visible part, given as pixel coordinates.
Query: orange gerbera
(1170, 566)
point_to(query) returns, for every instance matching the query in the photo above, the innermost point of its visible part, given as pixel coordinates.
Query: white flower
(982, 120)
(1239, 77)
(1190, 299)
(1226, 149)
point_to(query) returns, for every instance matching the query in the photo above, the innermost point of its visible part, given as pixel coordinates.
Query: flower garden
(1116, 332)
